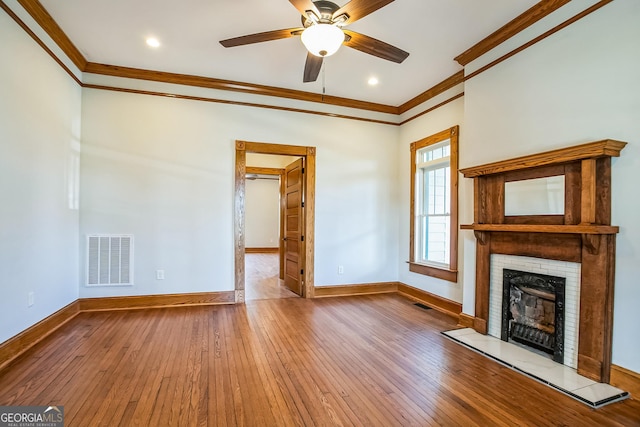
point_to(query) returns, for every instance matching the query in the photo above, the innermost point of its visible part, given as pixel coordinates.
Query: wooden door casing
(309, 178)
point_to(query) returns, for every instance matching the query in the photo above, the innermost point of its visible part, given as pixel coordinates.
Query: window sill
(439, 273)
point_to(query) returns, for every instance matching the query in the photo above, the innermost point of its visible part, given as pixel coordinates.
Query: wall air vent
(109, 260)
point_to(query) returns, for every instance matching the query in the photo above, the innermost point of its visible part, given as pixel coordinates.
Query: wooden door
(293, 226)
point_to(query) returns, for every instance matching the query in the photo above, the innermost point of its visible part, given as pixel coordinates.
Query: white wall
(162, 169)
(262, 213)
(577, 86)
(39, 151)
(269, 160)
(443, 118)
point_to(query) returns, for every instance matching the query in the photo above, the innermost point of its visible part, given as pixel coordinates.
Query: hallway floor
(261, 278)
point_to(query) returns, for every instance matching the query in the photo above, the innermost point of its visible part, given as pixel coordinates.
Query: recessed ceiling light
(153, 42)
(373, 81)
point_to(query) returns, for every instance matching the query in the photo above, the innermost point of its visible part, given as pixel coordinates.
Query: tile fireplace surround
(581, 234)
(570, 271)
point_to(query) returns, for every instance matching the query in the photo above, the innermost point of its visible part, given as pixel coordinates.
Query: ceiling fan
(322, 33)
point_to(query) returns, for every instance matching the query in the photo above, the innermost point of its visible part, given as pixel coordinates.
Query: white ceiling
(432, 31)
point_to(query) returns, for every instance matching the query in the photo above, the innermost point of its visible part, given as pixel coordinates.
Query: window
(434, 206)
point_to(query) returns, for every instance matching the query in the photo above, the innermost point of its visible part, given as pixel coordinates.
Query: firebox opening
(533, 312)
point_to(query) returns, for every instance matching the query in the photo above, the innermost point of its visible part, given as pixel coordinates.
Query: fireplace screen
(533, 311)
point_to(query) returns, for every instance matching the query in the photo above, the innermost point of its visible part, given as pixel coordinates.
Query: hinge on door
(302, 170)
(302, 205)
(302, 238)
(301, 271)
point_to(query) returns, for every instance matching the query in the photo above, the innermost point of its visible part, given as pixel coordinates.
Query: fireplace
(582, 233)
(533, 311)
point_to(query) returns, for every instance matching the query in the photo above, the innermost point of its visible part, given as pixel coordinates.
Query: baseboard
(436, 302)
(14, 347)
(465, 320)
(626, 380)
(261, 250)
(156, 301)
(360, 289)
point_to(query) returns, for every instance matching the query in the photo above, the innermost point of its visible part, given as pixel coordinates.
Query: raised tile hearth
(540, 368)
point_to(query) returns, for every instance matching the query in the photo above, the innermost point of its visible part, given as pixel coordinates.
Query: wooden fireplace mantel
(591, 150)
(582, 234)
(533, 228)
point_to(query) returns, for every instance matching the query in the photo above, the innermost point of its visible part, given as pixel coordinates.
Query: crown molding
(40, 43)
(444, 85)
(212, 83)
(521, 22)
(435, 107)
(51, 27)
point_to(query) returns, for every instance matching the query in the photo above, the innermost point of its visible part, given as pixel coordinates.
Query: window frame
(450, 272)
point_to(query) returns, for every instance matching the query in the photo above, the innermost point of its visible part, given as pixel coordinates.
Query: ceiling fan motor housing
(326, 9)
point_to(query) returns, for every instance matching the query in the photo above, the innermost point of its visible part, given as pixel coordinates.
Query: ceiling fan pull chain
(324, 88)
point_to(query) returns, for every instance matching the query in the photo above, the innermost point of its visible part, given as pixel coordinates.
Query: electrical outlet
(341, 269)
(31, 299)
(159, 274)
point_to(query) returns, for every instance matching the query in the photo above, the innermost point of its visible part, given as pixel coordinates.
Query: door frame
(309, 178)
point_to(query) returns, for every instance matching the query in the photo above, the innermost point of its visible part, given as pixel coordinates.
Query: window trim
(449, 274)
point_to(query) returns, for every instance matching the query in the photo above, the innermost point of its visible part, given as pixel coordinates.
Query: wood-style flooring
(352, 361)
(261, 277)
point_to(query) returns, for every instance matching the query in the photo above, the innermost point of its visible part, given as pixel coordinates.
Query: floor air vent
(109, 260)
(422, 306)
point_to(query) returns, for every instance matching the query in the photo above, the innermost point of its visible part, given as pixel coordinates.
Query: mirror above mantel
(538, 196)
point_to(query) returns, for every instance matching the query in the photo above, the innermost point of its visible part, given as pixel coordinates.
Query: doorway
(297, 232)
(264, 227)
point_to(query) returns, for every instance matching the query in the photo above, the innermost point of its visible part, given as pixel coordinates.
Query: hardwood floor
(261, 277)
(367, 360)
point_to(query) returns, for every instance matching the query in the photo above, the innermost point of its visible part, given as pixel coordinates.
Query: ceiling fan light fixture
(322, 39)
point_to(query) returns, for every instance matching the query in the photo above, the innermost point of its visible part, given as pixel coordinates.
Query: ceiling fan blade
(357, 9)
(261, 37)
(312, 68)
(374, 47)
(304, 5)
